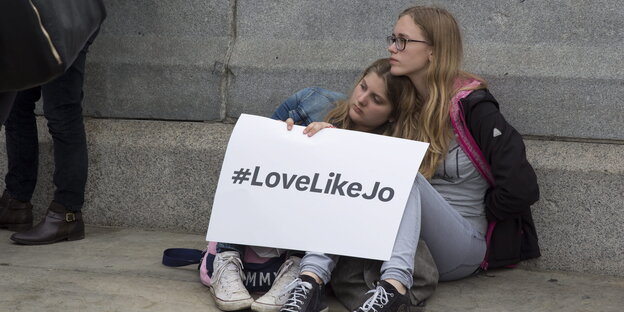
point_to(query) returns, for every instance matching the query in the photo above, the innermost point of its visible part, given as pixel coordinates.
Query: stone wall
(555, 66)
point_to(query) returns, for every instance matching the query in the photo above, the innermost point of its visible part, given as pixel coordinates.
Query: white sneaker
(275, 298)
(226, 284)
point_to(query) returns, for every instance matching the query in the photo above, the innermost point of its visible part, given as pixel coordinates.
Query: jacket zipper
(45, 33)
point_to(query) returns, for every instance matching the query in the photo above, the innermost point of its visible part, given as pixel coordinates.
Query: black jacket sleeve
(516, 185)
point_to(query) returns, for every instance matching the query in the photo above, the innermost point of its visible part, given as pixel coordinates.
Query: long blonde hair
(429, 120)
(400, 93)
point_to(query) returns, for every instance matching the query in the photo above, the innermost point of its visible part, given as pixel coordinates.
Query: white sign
(338, 192)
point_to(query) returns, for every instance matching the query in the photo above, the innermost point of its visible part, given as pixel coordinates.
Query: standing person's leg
(62, 107)
(6, 102)
(22, 147)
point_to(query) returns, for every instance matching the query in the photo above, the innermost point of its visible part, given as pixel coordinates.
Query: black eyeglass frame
(392, 39)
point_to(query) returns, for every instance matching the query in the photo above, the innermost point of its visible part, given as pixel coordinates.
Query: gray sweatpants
(457, 248)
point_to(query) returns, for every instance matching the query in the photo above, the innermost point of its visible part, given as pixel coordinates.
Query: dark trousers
(62, 108)
(6, 102)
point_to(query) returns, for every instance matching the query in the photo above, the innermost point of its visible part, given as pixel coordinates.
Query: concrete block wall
(159, 60)
(580, 213)
(556, 66)
(191, 67)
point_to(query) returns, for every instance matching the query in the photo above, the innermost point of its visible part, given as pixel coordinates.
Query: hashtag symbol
(241, 175)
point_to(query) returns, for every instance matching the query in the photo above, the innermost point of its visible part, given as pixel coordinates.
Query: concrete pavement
(119, 269)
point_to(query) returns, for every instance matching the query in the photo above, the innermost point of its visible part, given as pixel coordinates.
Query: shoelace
(224, 266)
(299, 290)
(378, 299)
(281, 272)
(284, 268)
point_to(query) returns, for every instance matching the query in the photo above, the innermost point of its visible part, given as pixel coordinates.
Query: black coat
(515, 188)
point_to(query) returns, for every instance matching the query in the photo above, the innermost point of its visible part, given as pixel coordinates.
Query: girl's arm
(516, 187)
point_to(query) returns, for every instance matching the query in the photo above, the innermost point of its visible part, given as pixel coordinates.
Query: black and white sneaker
(305, 295)
(384, 298)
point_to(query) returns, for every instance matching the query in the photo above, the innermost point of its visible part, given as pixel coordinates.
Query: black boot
(59, 224)
(15, 215)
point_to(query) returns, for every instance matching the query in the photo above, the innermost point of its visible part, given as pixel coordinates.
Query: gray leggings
(457, 248)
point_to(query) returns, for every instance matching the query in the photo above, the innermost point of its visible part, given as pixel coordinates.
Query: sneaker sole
(278, 308)
(231, 305)
(264, 307)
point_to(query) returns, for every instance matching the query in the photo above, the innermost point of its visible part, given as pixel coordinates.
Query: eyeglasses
(400, 43)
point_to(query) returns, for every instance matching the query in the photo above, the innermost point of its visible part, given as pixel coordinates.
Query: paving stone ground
(119, 269)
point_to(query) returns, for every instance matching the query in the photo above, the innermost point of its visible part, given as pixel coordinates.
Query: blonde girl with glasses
(471, 200)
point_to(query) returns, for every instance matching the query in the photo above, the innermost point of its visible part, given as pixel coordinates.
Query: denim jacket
(308, 105)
